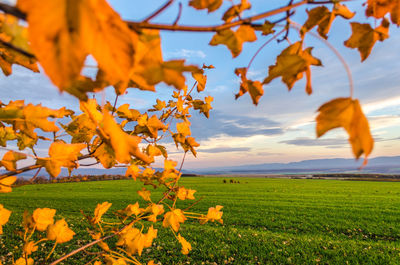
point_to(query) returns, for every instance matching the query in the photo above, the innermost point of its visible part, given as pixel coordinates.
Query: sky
(282, 127)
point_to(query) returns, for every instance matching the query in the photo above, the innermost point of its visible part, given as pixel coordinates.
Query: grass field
(266, 221)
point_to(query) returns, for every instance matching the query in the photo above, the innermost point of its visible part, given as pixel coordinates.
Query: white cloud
(186, 54)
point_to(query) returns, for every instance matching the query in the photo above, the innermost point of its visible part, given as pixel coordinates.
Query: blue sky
(281, 128)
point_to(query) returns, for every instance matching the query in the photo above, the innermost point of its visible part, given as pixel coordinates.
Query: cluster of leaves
(60, 35)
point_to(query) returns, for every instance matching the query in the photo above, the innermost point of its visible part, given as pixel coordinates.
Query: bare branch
(179, 14)
(9, 45)
(12, 10)
(158, 11)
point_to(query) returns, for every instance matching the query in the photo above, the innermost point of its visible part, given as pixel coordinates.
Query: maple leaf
(379, 8)
(234, 40)
(81, 128)
(323, 18)
(156, 209)
(105, 155)
(183, 128)
(70, 30)
(149, 237)
(60, 232)
(236, 10)
(10, 159)
(6, 134)
(211, 5)
(4, 216)
(254, 88)
(5, 184)
(201, 79)
(145, 194)
(42, 218)
(346, 113)
(186, 246)
(124, 145)
(61, 155)
(99, 211)
(30, 247)
(132, 171)
(203, 106)
(364, 37)
(184, 194)
(23, 261)
(133, 239)
(154, 125)
(291, 64)
(266, 28)
(173, 219)
(132, 209)
(213, 214)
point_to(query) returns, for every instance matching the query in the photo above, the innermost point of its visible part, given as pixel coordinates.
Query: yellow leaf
(22, 261)
(184, 194)
(43, 217)
(154, 125)
(5, 184)
(213, 214)
(174, 219)
(100, 210)
(254, 88)
(156, 209)
(149, 237)
(234, 40)
(379, 8)
(145, 194)
(291, 64)
(132, 171)
(60, 232)
(132, 209)
(112, 261)
(364, 37)
(346, 113)
(133, 239)
(186, 246)
(236, 10)
(211, 5)
(201, 79)
(125, 112)
(183, 128)
(105, 155)
(70, 30)
(4, 216)
(123, 144)
(10, 159)
(30, 247)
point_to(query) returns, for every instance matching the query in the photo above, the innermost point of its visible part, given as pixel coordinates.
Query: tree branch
(158, 11)
(12, 47)
(145, 25)
(12, 10)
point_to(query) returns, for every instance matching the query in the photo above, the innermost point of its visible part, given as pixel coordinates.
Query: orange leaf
(173, 219)
(100, 210)
(254, 88)
(4, 216)
(211, 5)
(364, 37)
(379, 8)
(346, 113)
(5, 184)
(43, 217)
(10, 159)
(234, 40)
(60, 232)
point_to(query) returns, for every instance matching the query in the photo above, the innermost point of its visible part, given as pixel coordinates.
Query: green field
(266, 221)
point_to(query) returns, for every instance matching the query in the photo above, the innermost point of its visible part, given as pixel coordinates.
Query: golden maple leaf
(254, 88)
(364, 37)
(43, 217)
(5, 184)
(186, 246)
(235, 10)
(4, 216)
(174, 219)
(10, 159)
(211, 5)
(234, 39)
(100, 210)
(30, 247)
(23, 261)
(213, 214)
(379, 8)
(70, 31)
(60, 232)
(346, 113)
(291, 64)
(145, 194)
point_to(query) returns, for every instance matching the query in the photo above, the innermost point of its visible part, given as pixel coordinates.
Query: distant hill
(385, 165)
(381, 165)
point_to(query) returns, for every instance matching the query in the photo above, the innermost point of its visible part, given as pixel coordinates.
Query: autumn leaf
(183, 128)
(322, 17)
(43, 217)
(5, 184)
(132, 171)
(364, 37)
(213, 214)
(133, 239)
(174, 219)
(145, 194)
(150, 236)
(201, 79)
(63, 33)
(81, 128)
(124, 145)
(184, 194)
(186, 246)
(379, 8)
(60, 232)
(156, 210)
(254, 88)
(346, 113)
(291, 64)
(10, 159)
(211, 5)
(23, 261)
(234, 39)
(4, 216)
(132, 209)
(236, 10)
(61, 155)
(6, 134)
(30, 247)
(99, 211)
(105, 155)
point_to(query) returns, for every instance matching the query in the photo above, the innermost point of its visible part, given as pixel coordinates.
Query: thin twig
(34, 177)
(179, 14)
(12, 10)
(287, 23)
(145, 25)
(23, 52)
(158, 11)
(115, 104)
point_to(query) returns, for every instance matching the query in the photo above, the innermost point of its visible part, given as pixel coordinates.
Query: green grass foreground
(266, 221)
